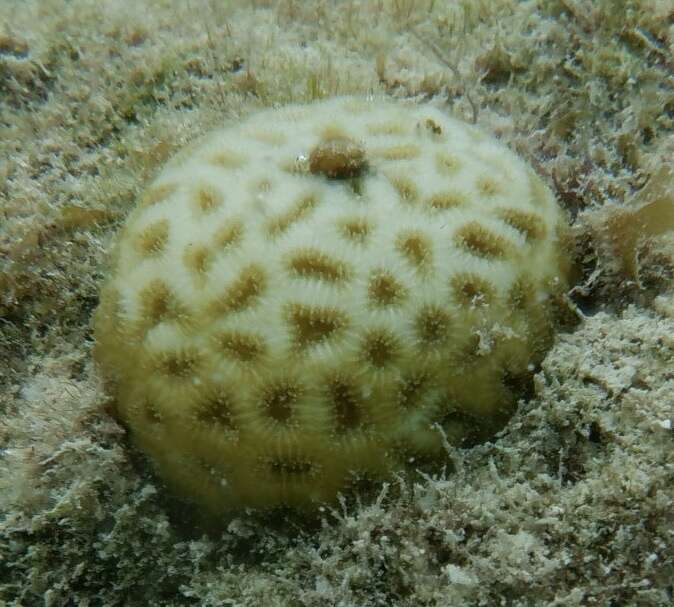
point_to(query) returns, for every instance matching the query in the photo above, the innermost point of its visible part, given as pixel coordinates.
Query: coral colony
(316, 295)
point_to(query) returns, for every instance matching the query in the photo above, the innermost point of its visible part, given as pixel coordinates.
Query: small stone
(338, 159)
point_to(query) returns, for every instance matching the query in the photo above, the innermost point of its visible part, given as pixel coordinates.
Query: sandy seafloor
(571, 504)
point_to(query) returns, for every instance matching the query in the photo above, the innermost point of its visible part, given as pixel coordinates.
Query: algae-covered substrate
(572, 503)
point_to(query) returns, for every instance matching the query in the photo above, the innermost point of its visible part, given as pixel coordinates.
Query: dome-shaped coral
(297, 302)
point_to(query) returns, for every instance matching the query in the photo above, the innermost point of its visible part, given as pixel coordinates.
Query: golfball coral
(311, 295)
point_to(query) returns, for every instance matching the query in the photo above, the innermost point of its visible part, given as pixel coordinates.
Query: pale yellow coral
(302, 301)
